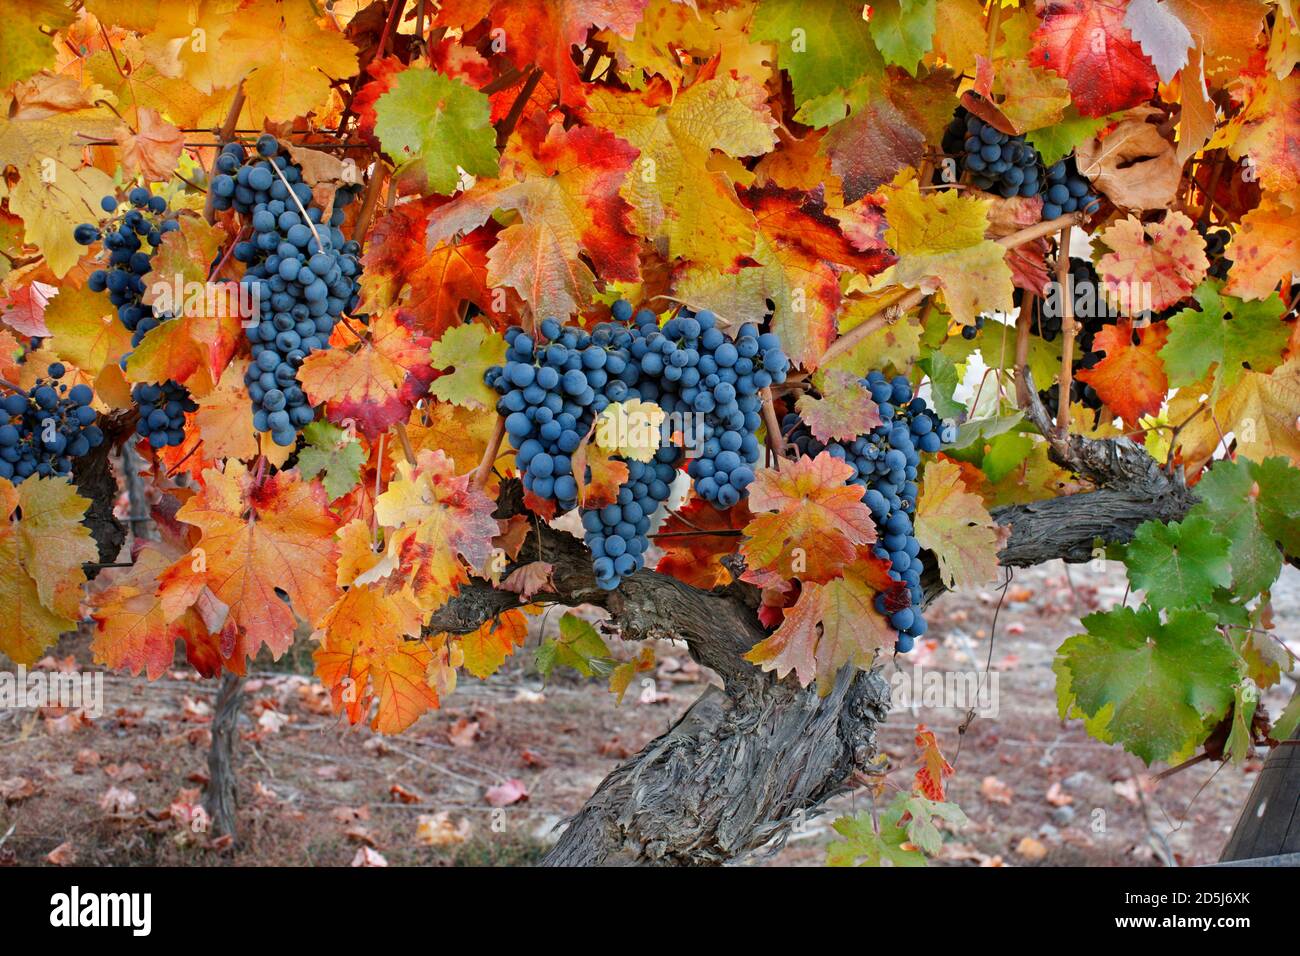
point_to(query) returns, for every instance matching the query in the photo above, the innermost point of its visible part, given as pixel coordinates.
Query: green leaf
(1284, 727)
(578, 647)
(1278, 502)
(464, 354)
(332, 451)
(1239, 745)
(921, 829)
(1057, 141)
(822, 46)
(1227, 333)
(943, 382)
(863, 846)
(903, 31)
(1231, 507)
(435, 124)
(1178, 565)
(1155, 688)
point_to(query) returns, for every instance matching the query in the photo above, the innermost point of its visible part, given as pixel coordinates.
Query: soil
(488, 778)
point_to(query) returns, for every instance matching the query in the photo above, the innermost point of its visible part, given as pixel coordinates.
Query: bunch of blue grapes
(552, 388)
(303, 271)
(162, 412)
(997, 162)
(884, 464)
(1010, 166)
(618, 534)
(131, 243)
(692, 368)
(1066, 191)
(131, 238)
(43, 429)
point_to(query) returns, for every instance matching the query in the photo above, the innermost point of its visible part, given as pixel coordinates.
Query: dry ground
(121, 789)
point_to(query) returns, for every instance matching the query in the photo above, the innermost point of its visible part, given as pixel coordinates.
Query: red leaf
(1131, 379)
(1086, 42)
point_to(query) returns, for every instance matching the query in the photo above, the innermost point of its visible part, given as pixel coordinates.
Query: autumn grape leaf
(1232, 502)
(487, 648)
(1059, 140)
(133, 631)
(366, 657)
(597, 473)
(565, 185)
(376, 382)
(273, 41)
(939, 237)
(693, 555)
(225, 417)
(678, 197)
(49, 209)
(543, 34)
(832, 624)
(903, 31)
(1178, 565)
(438, 126)
(935, 768)
(23, 309)
(1155, 688)
(1130, 379)
(1031, 97)
(1261, 412)
(1086, 42)
(1226, 29)
(578, 646)
(891, 119)
(807, 522)
(823, 47)
(42, 554)
(441, 527)
(844, 409)
(436, 282)
(1167, 258)
(800, 251)
(1226, 333)
(331, 450)
(1270, 133)
(153, 150)
(460, 433)
(1265, 247)
(259, 540)
(954, 524)
(85, 330)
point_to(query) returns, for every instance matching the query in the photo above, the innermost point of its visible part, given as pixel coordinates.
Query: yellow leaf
(953, 523)
(225, 417)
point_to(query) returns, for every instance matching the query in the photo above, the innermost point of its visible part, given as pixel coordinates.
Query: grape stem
(489, 455)
(1024, 321)
(773, 425)
(10, 385)
(517, 107)
(405, 439)
(1065, 289)
(320, 244)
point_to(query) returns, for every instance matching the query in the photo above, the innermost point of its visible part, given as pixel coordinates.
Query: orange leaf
(693, 555)
(152, 152)
(934, 767)
(257, 539)
(816, 524)
(1131, 379)
(374, 385)
(833, 624)
(487, 648)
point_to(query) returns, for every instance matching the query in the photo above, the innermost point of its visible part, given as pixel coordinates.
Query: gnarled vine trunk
(747, 762)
